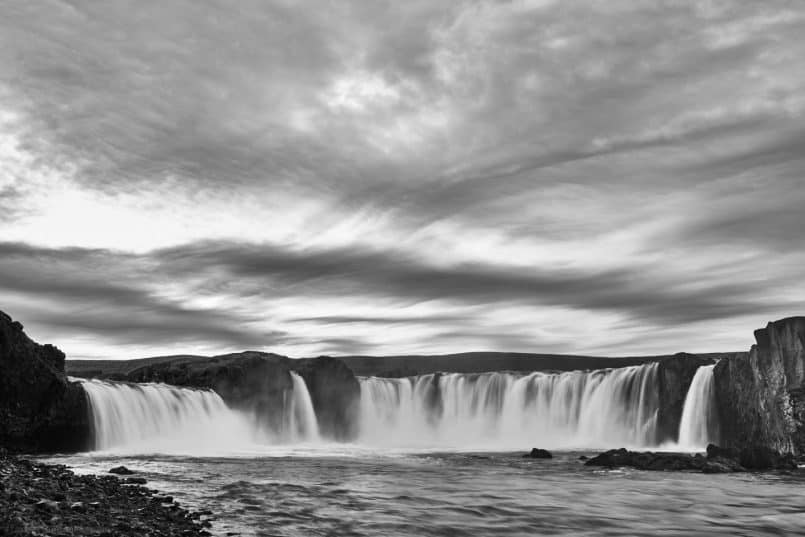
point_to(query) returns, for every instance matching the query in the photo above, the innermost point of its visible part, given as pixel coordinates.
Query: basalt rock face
(39, 409)
(335, 393)
(717, 461)
(761, 396)
(252, 381)
(675, 375)
(261, 383)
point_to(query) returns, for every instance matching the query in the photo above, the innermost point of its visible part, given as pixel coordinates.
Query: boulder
(652, 461)
(537, 453)
(714, 451)
(120, 470)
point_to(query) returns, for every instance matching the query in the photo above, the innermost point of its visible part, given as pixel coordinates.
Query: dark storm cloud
(665, 135)
(100, 293)
(640, 292)
(380, 320)
(128, 307)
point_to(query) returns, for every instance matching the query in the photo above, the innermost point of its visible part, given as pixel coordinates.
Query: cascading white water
(699, 424)
(602, 408)
(154, 417)
(162, 417)
(301, 421)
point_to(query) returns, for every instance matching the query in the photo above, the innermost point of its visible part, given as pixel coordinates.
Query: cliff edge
(39, 409)
(761, 396)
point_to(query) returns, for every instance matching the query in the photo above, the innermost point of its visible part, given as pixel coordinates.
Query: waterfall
(699, 424)
(601, 408)
(496, 410)
(155, 417)
(302, 424)
(161, 417)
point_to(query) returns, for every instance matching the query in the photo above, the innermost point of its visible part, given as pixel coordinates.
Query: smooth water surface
(355, 491)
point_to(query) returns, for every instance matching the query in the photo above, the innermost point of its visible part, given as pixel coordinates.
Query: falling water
(301, 422)
(161, 417)
(154, 417)
(602, 408)
(699, 423)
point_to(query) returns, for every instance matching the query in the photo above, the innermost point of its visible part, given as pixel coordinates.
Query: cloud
(106, 294)
(160, 296)
(277, 174)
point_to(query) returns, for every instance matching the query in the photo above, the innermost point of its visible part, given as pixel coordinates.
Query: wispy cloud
(449, 175)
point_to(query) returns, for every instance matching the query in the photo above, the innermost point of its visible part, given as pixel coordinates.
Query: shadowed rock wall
(761, 396)
(260, 382)
(39, 409)
(675, 375)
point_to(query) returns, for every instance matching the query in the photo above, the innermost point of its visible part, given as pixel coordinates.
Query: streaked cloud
(401, 177)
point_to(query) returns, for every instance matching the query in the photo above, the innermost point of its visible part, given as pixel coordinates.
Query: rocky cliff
(761, 396)
(675, 375)
(335, 393)
(260, 382)
(39, 409)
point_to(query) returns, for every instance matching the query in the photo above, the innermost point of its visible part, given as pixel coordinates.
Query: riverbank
(43, 499)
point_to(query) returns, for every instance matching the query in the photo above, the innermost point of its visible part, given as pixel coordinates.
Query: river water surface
(347, 490)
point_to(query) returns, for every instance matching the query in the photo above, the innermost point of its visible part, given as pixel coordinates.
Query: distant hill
(403, 365)
(478, 362)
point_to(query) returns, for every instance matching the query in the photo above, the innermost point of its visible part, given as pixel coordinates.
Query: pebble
(41, 499)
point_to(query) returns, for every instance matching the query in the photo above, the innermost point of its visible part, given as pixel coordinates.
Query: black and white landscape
(402, 268)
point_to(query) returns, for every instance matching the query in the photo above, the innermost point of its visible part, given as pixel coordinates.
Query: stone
(49, 505)
(120, 470)
(653, 461)
(537, 453)
(716, 451)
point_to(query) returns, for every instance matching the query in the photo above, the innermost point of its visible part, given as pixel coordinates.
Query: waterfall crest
(699, 424)
(301, 421)
(160, 416)
(601, 408)
(155, 417)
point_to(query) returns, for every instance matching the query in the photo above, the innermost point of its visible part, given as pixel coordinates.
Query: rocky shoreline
(44, 499)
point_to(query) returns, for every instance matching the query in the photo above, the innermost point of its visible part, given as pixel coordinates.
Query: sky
(590, 177)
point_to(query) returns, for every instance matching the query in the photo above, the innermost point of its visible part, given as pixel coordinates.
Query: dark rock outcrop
(120, 470)
(335, 393)
(39, 409)
(261, 383)
(537, 453)
(761, 396)
(675, 375)
(647, 460)
(252, 381)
